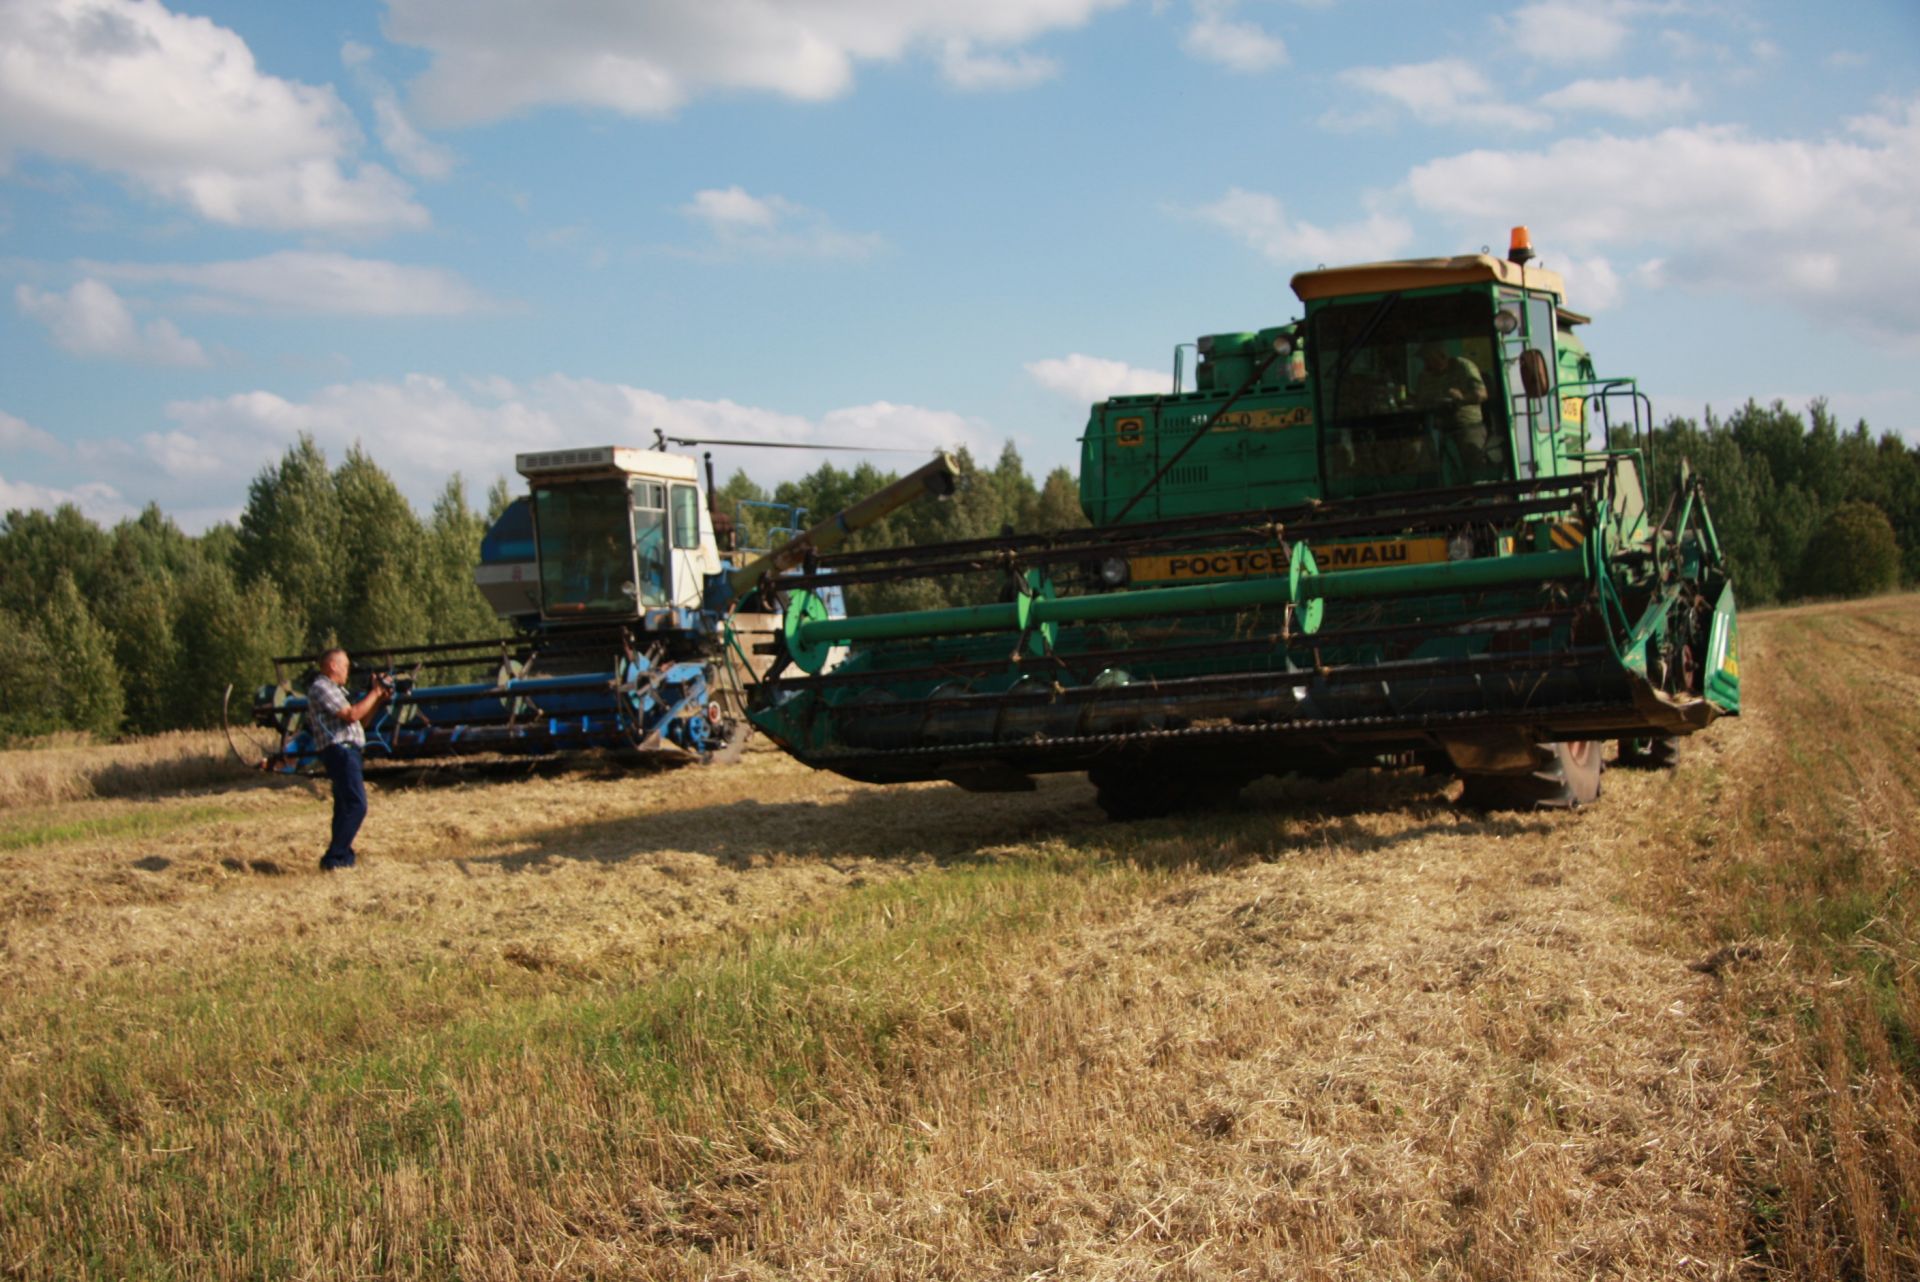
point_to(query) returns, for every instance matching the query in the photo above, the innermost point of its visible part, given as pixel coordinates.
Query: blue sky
(454, 229)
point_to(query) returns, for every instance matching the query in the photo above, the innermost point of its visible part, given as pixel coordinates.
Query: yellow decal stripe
(1188, 567)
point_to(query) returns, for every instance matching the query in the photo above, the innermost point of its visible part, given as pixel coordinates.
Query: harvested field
(758, 1022)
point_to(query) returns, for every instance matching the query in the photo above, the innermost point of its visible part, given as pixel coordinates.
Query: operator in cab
(1454, 383)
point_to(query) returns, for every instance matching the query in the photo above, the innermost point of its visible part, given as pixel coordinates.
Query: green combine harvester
(1413, 527)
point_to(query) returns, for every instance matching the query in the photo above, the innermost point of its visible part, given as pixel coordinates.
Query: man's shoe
(328, 863)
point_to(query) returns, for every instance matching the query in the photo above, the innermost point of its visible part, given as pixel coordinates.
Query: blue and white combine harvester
(633, 627)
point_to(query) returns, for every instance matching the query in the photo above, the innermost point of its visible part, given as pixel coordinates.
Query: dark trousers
(349, 802)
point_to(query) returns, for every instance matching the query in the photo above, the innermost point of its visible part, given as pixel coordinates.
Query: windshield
(585, 534)
(1407, 393)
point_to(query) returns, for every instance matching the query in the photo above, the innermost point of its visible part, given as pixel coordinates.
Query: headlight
(1114, 571)
(1460, 547)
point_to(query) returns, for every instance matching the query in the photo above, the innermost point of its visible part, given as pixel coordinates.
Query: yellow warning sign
(1573, 409)
(1566, 534)
(1128, 433)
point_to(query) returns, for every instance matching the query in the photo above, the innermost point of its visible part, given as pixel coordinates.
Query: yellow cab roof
(1423, 273)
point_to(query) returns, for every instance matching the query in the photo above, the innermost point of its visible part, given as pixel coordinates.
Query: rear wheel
(1566, 775)
(1655, 752)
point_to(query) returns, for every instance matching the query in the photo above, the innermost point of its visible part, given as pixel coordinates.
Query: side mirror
(1535, 378)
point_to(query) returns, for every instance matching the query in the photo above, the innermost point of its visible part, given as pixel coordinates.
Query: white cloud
(733, 209)
(1831, 224)
(1638, 98)
(494, 58)
(422, 428)
(773, 226)
(92, 320)
(95, 498)
(1084, 379)
(414, 151)
(308, 281)
(18, 434)
(177, 104)
(1592, 283)
(963, 67)
(1238, 46)
(1569, 31)
(1447, 91)
(1261, 221)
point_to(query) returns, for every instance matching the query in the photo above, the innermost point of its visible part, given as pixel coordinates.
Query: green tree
(29, 703)
(220, 543)
(1853, 554)
(457, 610)
(36, 547)
(290, 534)
(81, 669)
(144, 652)
(150, 546)
(754, 523)
(134, 602)
(381, 551)
(499, 495)
(227, 635)
(1820, 466)
(1055, 505)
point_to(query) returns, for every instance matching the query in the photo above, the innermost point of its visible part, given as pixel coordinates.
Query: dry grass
(70, 768)
(1792, 863)
(760, 1023)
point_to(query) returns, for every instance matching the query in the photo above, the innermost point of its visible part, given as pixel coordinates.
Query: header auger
(633, 627)
(1377, 534)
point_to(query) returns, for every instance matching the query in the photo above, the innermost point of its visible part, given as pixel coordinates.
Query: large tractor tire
(1656, 752)
(1567, 776)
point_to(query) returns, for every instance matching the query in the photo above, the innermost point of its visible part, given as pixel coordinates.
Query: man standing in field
(335, 722)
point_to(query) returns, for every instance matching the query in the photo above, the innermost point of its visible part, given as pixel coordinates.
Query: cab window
(1409, 394)
(1533, 416)
(585, 547)
(686, 517)
(650, 541)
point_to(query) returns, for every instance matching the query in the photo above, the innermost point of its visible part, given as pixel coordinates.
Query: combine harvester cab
(1413, 526)
(632, 628)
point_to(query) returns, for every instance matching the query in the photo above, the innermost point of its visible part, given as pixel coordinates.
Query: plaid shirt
(327, 705)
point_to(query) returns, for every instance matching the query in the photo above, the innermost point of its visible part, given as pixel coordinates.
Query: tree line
(141, 627)
(1802, 508)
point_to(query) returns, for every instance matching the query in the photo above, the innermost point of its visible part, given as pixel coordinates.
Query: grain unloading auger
(632, 624)
(1376, 535)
